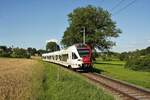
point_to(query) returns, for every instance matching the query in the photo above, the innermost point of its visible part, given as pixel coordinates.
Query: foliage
(94, 55)
(41, 51)
(139, 63)
(20, 53)
(115, 69)
(3, 48)
(31, 51)
(5, 52)
(127, 55)
(108, 56)
(52, 46)
(124, 56)
(98, 25)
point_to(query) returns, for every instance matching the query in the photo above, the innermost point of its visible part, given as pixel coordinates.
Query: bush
(20, 53)
(141, 63)
(4, 54)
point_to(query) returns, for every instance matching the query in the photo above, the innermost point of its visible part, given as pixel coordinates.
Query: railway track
(125, 91)
(121, 89)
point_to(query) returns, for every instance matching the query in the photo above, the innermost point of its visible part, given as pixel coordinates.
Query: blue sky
(30, 23)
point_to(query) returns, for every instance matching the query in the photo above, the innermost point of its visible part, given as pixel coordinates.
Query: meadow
(115, 69)
(32, 79)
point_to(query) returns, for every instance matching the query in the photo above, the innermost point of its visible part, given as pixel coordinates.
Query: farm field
(30, 79)
(116, 70)
(19, 79)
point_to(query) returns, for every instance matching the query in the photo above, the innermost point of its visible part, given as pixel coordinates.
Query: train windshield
(83, 52)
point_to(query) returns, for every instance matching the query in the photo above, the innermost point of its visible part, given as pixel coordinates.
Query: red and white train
(77, 56)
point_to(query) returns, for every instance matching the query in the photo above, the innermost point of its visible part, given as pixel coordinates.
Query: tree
(41, 51)
(98, 25)
(5, 52)
(20, 53)
(31, 51)
(140, 63)
(124, 56)
(3, 48)
(52, 46)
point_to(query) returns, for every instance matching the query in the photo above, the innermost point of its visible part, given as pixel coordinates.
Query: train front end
(85, 54)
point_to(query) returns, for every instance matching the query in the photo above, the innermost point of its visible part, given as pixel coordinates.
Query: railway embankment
(61, 84)
(115, 69)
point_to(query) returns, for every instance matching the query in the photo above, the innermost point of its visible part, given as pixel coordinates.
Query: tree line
(138, 60)
(20, 52)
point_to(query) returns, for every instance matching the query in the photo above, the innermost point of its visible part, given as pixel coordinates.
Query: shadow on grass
(99, 71)
(108, 63)
(95, 70)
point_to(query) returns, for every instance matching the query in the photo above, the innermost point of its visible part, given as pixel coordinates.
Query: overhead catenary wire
(126, 6)
(117, 5)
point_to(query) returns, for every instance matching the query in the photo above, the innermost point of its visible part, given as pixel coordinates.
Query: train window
(64, 57)
(56, 57)
(74, 56)
(59, 57)
(83, 52)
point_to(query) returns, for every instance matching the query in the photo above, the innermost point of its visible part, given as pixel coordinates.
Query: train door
(74, 60)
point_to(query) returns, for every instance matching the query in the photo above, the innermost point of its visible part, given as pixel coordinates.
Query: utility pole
(83, 35)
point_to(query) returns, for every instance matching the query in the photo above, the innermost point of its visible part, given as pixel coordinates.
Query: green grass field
(32, 79)
(69, 86)
(116, 70)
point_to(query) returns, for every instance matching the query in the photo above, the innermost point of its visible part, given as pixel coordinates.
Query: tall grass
(68, 86)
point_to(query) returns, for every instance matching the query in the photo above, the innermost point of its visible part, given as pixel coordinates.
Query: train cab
(80, 56)
(85, 53)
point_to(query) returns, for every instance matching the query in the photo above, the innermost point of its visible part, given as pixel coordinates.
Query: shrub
(141, 63)
(20, 53)
(4, 54)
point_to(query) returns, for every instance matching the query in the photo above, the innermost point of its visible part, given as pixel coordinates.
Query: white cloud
(52, 40)
(148, 40)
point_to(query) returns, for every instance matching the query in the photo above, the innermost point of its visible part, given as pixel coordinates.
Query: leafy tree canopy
(31, 51)
(52, 46)
(19, 53)
(98, 25)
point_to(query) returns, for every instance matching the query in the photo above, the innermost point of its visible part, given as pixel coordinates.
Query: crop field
(30, 79)
(16, 79)
(116, 70)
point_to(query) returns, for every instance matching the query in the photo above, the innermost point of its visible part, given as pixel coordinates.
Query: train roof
(64, 51)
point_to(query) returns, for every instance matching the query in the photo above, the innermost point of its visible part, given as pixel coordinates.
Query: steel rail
(130, 91)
